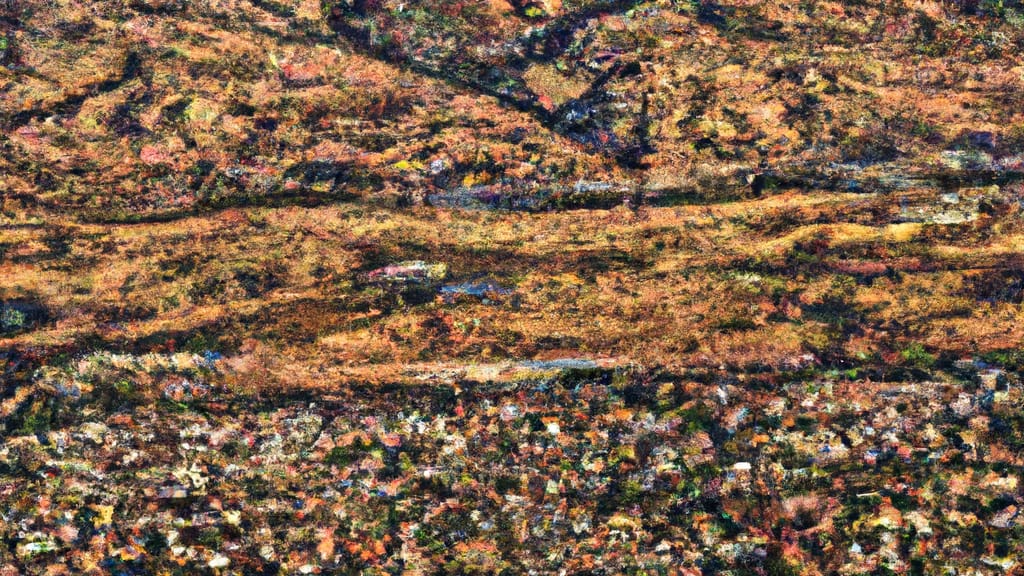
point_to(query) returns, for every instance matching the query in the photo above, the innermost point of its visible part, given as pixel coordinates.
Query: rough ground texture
(504, 287)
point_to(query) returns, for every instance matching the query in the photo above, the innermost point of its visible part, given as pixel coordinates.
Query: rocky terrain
(506, 287)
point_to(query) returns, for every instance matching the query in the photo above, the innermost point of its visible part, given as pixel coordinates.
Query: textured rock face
(508, 287)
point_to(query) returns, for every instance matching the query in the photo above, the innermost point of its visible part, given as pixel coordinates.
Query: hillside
(593, 286)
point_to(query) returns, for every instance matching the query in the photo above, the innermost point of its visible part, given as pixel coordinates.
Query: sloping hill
(498, 287)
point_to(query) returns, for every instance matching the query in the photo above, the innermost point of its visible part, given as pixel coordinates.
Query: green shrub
(916, 355)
